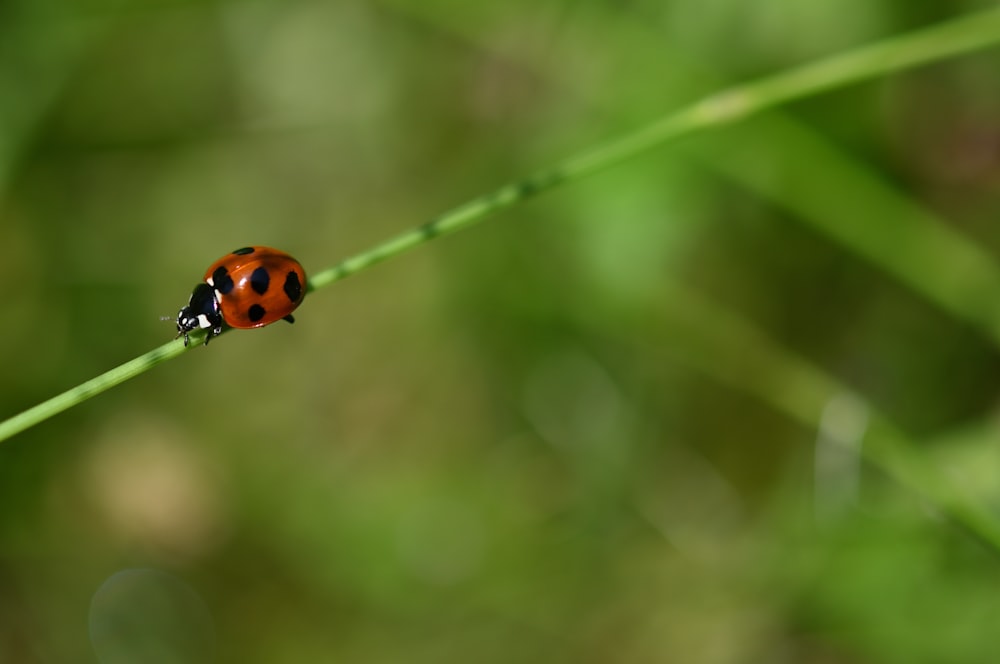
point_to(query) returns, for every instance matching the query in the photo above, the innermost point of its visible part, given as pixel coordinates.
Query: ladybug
(251, 287)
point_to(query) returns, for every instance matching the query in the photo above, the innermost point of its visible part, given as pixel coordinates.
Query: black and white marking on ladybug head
(201, 312)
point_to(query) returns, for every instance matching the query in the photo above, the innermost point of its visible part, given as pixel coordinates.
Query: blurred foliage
(595, 429)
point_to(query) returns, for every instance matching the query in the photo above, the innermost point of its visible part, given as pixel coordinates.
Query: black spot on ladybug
(260, 280)
(244, 251)
(222, 281)
(293, 287)
(256, 312)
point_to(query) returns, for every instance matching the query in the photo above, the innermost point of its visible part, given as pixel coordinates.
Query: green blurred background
(614, 424)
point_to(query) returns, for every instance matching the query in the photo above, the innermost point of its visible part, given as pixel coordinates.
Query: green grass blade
(949, 39)
(956, 37)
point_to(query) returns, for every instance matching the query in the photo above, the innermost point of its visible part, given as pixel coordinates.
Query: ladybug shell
(256, 286)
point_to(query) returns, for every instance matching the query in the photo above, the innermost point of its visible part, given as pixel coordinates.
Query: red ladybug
(251, 287)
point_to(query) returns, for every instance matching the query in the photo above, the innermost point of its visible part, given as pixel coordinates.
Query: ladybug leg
(289, 318)
(212, 332)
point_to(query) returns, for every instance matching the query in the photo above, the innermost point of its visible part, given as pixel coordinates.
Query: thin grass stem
(945, 40)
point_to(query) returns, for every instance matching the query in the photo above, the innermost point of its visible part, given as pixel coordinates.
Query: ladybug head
(202, 311)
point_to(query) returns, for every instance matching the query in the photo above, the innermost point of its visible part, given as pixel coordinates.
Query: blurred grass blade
(809, 176)
(734, 352)
(48, 54)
